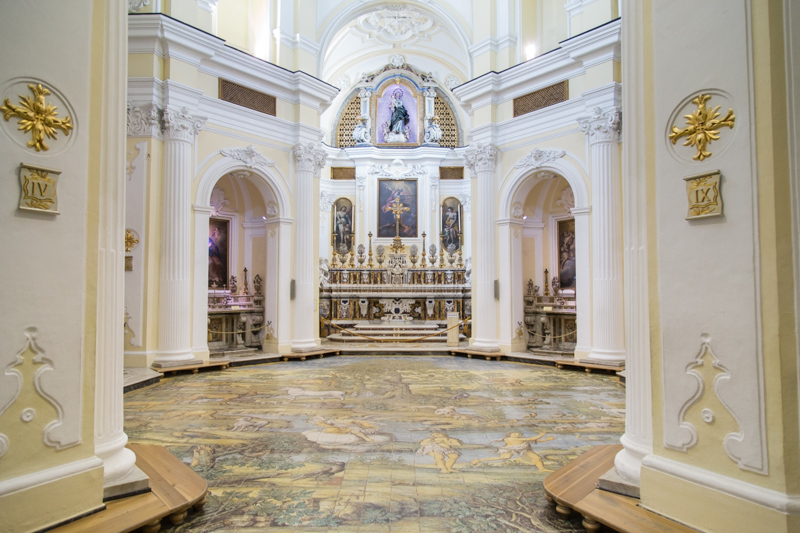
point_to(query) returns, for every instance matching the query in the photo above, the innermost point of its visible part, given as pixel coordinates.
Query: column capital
(602, 126)
(309, 157)
(144, 121)
(179, 125)
(481, 157)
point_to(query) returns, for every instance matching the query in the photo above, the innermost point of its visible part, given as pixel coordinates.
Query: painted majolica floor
(363, 444)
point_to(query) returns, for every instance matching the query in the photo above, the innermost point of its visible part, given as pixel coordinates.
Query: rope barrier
(396, 339)
(545, 336)
(240, 331)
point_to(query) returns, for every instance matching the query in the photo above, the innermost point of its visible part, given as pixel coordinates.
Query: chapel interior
(540, 248)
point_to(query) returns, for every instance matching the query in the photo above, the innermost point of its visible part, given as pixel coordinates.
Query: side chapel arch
(515, 190)
(271, 184)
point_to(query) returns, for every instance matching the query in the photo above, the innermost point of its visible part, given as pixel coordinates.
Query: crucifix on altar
(397, 208)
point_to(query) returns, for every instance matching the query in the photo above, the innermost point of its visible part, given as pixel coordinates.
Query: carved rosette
(309, 157)
(179, 125)
(602, 126)
(481, 158)
(249, 156)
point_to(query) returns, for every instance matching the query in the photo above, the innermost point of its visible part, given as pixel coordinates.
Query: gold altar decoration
(38, 189)
(703, 127)
(397, 208)
(130, 240)
(36, 116)
(370, 264)
(705, 198)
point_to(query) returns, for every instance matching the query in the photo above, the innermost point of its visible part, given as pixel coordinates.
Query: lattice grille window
(347, 122)
(451, 173)
(447, 122)
(343, 173)
(242, 96)
(542, 98)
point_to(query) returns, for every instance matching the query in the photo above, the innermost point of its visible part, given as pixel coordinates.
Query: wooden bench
(322, 352)
(194, 367)
(497, 356)
(175, 489)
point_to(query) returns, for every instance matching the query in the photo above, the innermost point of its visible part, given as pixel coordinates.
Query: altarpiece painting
(391, 195)
(343, 226)
(566, 253)
(218, 253)
(451, 225)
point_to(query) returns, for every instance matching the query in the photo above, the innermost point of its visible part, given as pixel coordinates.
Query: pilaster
(175, 296)
(482, 162)
(603, 130)
(309, 160)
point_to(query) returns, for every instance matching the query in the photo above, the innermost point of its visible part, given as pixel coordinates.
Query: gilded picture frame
(406, 192)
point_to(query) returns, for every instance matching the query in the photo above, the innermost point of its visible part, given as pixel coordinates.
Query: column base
(304, 346)
(484, 347)
(608, 357)
(613, 482)
(182, 362)
(135, 482)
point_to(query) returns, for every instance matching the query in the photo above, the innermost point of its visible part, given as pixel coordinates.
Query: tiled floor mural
(369, 444)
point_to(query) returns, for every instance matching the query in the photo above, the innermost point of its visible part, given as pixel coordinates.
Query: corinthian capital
(602, 126)
(309, 157)
(179, 125)
(481, 157)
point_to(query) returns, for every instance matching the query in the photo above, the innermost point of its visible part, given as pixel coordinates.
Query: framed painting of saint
(343, 226)
(451, 225)
(566, 254)
(397, 196)
(398, 115)
(218, 253)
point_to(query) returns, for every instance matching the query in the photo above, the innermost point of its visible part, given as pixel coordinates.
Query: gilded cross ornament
(397, 208)
(702, 127)
(36, 116)
(130, 240)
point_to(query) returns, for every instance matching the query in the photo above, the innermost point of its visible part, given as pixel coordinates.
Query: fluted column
(175, 295)
(309, 160)
(482, 161)
(603, 130)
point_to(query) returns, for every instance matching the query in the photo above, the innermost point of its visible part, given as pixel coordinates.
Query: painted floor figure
(369, 444)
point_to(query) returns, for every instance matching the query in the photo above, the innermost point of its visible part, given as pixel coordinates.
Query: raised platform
(382, 331)
(310, 354)
(565, 362)
(470, 353)
(194, 368)
(174, 490)
(574, 488)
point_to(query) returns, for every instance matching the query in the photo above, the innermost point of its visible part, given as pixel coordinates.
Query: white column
(583, 281)
(309, 160)
(283, 328)
(175, 296)
(202, 214)
(608, 332)
(638, 438)
(511, 283)
(120, 474)
(482, 161)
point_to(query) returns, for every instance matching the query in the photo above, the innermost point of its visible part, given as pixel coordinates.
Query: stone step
(337, 337)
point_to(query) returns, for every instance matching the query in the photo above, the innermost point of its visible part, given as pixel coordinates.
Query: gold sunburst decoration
(130, 240)
(37, 117)
(702, 127)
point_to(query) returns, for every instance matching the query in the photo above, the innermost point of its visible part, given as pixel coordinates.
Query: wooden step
(574, 487)
(588, 367)
(470, 352)
(175, 488)
(322, 352)
(193, 368)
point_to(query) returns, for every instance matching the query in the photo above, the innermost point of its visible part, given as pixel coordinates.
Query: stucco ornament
(602, 126)
(538, 157)
(451, 82)
(397, 61)
(517, 211)
(309, 157)
(250, 156)
(396, 22)
(481, 158)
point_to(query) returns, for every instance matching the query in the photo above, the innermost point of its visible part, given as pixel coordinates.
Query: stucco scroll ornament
(602, 126)
(326, 200)
(538, 157)
(37, 117)
(397, 22)
(517, 211)
(179, 125)
(481, 158)
(451, 82)
(309, 157)
(37, 401)
(144, 121)
(702, 127)
(272, 210)
(218, 201)
(397, 61)
(567, 200)
(136, 5)
(466, 202)
(250, 156)
(361, 185)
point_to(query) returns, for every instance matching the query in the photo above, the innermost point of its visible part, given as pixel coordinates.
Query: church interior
(426, 265)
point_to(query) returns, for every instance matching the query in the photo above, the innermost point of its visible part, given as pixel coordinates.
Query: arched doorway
(240, 222)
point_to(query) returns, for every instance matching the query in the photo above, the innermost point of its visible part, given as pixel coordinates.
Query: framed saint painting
(218, 253)
(343, 227)
(397, 197)
(451, 225)
(566, 254)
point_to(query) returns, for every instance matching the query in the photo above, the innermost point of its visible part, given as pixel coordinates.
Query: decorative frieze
(250, 156)
(538, 157)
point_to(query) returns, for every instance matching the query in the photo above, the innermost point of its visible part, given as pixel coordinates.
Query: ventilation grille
(347, 123)
(343, 173)
(242, 96)
(451, 173)
(540, 99)
(447, 122)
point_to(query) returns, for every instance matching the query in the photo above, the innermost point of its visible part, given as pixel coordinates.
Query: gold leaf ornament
(37, 117)
(702, 127)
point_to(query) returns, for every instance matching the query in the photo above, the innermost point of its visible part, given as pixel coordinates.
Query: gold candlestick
(441, 251)
(423, 249)
(370, 264)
